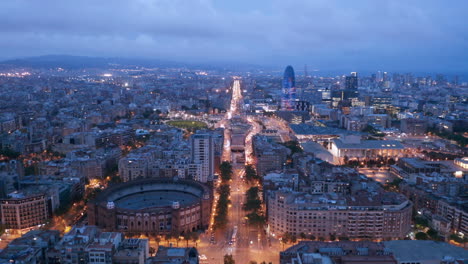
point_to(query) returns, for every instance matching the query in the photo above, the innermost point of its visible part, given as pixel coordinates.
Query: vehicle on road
(233, 237)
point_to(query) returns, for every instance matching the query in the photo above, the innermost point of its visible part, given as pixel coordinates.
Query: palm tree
(158, 240)
(195, 237)
(168, 238)
(293, 239)
(187, 238)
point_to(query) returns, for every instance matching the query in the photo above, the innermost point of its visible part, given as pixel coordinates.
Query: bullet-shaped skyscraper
(289, 89)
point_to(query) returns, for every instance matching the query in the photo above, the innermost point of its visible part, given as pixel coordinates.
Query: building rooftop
(150, 199)
(305, 129)
(176, 252)
(424, 250)
(153, 194)
(338, 248)
(172, 255)
(369, 144)
(339, 201)
(415, 162)
(125, 252)
(96, 246)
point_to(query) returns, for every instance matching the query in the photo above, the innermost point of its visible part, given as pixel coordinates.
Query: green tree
(256, 219)
(294, 146)
(228, 259)
(289, 237)
(373, 132)
(432, 233)
(226, 171)
(147, 113)
(115, 179)
(220, 219)
(458, 239)
(251, 173)
(394, 185)
(252, 205)
(252, 193)
(195, 236)
(421, 222)
(253, 202)
(421, 236)
(168, 238)
(224, 190)
(293, 238)
(158, 240)
(2, 229)
(286, 237)
(186, 237)
(90, 195)
(453, 237)
(458, 138)
(9, 153)
(302, 235)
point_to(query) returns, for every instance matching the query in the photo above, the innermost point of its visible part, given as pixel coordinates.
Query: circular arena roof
(153, 194)
(152, 199)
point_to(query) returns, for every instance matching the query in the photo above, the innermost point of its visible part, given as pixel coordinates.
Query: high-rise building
(289, 88)
(351, 82)
(440, 79)
(351, 89)
(385, 77)
(203, 153)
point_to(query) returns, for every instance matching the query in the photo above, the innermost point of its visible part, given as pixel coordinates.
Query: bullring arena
(154, 206)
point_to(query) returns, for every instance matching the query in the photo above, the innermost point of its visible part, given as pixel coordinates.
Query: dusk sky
(416, 35)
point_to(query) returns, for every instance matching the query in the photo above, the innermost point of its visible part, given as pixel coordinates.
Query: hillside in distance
(81, 62)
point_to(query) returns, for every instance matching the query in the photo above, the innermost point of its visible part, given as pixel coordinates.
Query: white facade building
(203, 153)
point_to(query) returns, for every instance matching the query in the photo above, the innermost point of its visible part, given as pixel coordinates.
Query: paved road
(250, 243)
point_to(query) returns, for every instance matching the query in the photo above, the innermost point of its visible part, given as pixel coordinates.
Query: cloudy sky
(419, 35)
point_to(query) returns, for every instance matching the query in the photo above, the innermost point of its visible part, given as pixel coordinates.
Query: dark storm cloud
(323, 33)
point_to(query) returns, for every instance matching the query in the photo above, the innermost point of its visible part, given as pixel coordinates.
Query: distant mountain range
(80, 62)
(70, 62)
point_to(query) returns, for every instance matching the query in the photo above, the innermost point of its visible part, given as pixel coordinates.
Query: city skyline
(144, 159)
